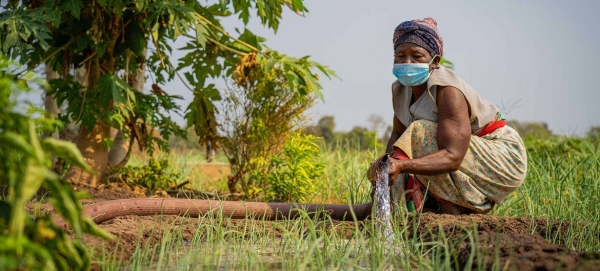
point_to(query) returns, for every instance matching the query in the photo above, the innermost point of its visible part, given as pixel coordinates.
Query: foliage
(536, 129)
(565, 190)
(110, 45)
(556, 147)
(295, 170)
(156, 175)
(36, 244)
(447, 63)
(594, 134)
(257, 118)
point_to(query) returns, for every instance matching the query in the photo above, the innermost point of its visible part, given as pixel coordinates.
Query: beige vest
(482, 111)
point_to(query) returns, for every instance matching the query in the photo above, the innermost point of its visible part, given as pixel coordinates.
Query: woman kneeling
(447, 140)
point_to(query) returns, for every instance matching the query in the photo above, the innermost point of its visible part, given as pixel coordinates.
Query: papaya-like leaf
(252, 39)
(126, 93)
(29, 184)
(224, 3)
(65, 204)
(72, 6)
(135, 38)
(12, 140)
(201, 33)
(67, 151)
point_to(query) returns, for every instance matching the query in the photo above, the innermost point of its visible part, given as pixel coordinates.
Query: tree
(326, 127)
(258, 117)
(108, 38)
(377, 124)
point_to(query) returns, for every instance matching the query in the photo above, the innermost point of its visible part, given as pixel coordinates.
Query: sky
(537, 60)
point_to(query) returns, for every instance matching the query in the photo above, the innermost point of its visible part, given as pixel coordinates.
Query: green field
(558, 201)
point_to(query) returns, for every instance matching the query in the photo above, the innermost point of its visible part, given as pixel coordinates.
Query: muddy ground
(520, 243)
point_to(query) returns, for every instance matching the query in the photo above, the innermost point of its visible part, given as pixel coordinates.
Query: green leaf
(106, 84)
(12, 39)
(119, 90)
(65, 204)
(135, 38)
(10, 140)
(36, 174)
(270, 64)
(201, 34)
(224, 3)
(67, 151)
(251, 39)
(72, 6)
(90, 227)
(447, 63)
(126, 93)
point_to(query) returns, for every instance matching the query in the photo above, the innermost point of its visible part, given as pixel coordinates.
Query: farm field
(550, 223)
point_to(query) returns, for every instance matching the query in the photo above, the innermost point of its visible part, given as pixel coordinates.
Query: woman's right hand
(394, 168)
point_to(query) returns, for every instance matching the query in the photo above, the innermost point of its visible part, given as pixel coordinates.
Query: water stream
(383, 212)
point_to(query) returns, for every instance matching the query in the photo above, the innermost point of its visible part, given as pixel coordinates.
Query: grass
(563, 183)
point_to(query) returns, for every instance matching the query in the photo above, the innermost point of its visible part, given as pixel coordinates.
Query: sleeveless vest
(482, 111)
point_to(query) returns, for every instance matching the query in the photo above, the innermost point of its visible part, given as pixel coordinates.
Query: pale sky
(536, 60)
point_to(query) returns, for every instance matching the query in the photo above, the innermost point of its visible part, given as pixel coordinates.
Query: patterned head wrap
(420, 32)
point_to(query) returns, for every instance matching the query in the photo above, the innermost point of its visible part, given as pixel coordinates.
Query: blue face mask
(412, 74)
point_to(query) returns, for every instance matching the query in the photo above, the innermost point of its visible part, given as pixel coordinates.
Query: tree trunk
(89, 142)
(94, 153)
(50, 104)
(210, 152)
(118, 152)
(52, 111)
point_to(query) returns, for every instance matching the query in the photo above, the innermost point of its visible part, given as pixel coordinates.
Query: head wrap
(420, 32)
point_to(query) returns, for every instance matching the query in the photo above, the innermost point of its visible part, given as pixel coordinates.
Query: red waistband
(491, 127)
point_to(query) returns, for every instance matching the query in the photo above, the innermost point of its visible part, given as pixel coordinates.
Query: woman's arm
(453, 137)
(397, 130)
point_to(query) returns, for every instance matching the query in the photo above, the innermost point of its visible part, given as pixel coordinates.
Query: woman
(447, 141)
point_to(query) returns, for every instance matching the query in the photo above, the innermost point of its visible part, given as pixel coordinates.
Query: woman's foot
(450, 208)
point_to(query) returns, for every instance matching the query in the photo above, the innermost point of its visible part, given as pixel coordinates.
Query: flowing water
(383, 212)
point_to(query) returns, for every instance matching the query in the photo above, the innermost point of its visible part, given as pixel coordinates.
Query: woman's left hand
(373, 172)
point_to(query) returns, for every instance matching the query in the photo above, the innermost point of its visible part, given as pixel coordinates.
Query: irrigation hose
(107, 210)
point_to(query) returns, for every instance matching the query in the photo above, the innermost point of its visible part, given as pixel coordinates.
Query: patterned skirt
(494, 166)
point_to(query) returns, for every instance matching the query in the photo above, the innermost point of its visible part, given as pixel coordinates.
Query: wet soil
(515, 243)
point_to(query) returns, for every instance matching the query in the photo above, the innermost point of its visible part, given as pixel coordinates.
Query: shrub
(156, 175)
(256, 120)
(294, 171)
(36, 243)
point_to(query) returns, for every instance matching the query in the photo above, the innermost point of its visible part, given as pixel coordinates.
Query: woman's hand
(394, 168)
(374, 169)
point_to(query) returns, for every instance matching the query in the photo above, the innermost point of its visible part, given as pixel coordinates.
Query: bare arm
(397, 130)
(453, 137)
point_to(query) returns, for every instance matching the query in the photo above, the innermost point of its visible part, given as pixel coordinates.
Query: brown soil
(212, 172)
(518, 243)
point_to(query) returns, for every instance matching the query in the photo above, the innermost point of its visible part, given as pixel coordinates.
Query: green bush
(257, 119)
(36, 243)
(156, 175)
(294, 171)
